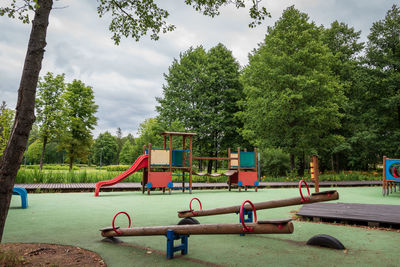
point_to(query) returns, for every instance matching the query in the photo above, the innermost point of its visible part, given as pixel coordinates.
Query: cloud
(127, 78)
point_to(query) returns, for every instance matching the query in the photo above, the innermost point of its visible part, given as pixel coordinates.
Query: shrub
(274, 162)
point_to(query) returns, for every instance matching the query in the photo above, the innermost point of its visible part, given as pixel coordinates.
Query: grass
(10, 258)
(92, 174)
(75, 219)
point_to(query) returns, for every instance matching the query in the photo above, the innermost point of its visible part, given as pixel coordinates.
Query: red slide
(140, 163)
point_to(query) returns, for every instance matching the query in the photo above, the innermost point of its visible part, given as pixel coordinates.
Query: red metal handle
(190, 206)
(301, 194)
(245, 227)
(115, 216)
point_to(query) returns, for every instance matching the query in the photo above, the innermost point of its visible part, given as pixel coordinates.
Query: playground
(75, 219)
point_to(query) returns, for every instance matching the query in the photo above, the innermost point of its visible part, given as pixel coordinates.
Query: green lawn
(75, 219)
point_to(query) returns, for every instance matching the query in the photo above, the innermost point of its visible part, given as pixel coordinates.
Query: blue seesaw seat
(24, 196)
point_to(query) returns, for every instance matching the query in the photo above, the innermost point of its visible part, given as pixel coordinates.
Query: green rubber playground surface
(75, 219)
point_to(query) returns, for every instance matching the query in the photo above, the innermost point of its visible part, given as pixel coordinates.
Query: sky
(126, 79)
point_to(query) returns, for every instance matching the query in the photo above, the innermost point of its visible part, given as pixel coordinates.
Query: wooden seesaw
(182, 232)
(311, 198)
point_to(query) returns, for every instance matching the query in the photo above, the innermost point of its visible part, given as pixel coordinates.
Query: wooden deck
(79, 187)
(351, 213)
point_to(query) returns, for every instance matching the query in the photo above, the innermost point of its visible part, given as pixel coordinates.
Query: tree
(201, 85)
(293, 99)
(127, 155)
(129, 18)
(33, 153)
(383, 62)
(49, 105)
(6, 121)
(343, 42)
(105, 149)
(79, 119)
(149, 133)
(120, 143)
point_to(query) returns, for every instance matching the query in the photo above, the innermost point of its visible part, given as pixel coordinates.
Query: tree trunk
(209, 166)
(300, 171)
(71, 162)
(292, 162)
(216, 162)
(24, 116)
(43, 151)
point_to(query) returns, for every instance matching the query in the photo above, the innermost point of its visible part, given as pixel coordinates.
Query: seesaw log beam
(203, 229)
(315, 197)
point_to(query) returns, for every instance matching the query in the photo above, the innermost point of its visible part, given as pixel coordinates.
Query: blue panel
(392, 166)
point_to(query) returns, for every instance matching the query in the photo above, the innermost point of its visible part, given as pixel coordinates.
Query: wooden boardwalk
(361, 214)
(124, 186)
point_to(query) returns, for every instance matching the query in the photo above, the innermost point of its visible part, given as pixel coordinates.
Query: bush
(117, 168)
(274, 162)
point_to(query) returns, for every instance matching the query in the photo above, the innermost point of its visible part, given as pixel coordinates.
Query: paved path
(77, 187)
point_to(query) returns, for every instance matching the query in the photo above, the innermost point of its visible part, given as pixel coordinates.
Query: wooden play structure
(161, 165)
(242, 168)
(182, 232)
(391, 175)
(314, 170)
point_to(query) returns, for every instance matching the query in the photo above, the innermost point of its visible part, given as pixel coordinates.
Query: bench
(24, 196)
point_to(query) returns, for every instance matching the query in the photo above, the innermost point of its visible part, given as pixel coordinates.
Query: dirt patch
(24, 254)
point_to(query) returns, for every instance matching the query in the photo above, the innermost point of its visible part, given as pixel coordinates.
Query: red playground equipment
(160, 165)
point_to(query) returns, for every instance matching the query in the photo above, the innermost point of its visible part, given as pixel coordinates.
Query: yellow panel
(234, 162)
(159, 157)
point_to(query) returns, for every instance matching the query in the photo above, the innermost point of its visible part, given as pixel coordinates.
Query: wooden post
(190, 163)
(183, 152)
(238, 168)
(229, 167)
(149, 166)
(384, 176)
(255, 164)
(278, 227)
(229, 158)
(316, 197)
(170, 153)
(144, 171)
(315, 172)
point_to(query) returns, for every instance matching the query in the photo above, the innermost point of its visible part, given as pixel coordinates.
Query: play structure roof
(177, 134)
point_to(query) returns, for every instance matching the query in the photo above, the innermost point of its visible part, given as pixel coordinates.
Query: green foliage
(202, 92)
(293, 100)
(274, 162)
(149, 133)
(79, 118)
(33, 152)
(127, 155)
(75, 176)
(135, 18)
(105, 148)
(49, 106)
(19, 9)
(6, 122)
(117, 168)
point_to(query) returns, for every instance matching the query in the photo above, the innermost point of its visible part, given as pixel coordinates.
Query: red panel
(233, 178)
(248, 178)
(160, 179)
